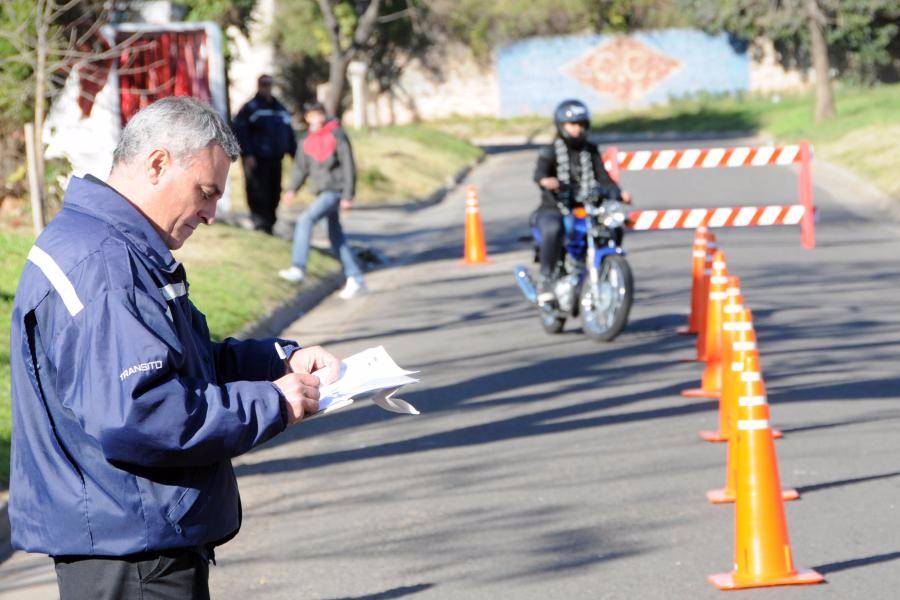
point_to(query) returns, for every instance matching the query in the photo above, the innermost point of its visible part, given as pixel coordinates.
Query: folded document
(369, 371)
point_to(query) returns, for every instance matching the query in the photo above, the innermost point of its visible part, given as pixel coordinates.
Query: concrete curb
(436, 197)
(289, 311)
(613, 137)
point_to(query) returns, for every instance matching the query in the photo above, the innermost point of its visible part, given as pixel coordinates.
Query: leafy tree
(857, 38)
(317, 40)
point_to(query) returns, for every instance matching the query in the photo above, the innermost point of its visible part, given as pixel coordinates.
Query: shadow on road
(856, 562)
(844, 482)
(399, 592)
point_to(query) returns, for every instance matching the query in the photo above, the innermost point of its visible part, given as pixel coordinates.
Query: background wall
(612, 72)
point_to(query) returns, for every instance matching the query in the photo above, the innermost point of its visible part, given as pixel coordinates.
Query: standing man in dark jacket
(570, 172)
(326, 159)
(263, 128)
(125, 415)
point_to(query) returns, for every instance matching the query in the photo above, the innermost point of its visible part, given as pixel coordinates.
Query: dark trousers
(168, 575)
(550, 224)
(263, 191)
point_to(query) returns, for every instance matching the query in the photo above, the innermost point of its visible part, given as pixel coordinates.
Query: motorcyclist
(569, 172)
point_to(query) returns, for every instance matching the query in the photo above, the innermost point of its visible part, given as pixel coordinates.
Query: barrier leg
(805, 193)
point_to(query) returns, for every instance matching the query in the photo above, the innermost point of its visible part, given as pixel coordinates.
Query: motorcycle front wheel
(605, 307)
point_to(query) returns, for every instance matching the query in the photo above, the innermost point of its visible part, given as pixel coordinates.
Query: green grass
(233, 277)
(394, 164)
(862, 137)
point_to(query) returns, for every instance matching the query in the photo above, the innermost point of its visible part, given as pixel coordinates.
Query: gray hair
(181, 125)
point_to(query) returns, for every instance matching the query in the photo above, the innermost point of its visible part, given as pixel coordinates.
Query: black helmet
(571, 111)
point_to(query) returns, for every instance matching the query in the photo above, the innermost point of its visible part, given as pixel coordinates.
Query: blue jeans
(327, 204)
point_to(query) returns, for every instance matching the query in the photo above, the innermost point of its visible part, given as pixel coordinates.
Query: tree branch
(331, 25)
(366, 24)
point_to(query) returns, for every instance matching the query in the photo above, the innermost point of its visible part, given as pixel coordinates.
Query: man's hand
(301, 394)
(346, 203)
(287, 198)
(549, 183)
(626, 197)
(249, 163)
(309, 360)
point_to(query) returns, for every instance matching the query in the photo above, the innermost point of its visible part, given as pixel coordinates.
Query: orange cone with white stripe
(762, 549)
(736, 391)
(733, 325)
(475, 251)
(698, 266)
(711, 350)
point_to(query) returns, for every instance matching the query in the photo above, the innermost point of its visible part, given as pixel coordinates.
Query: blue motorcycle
(592, 279)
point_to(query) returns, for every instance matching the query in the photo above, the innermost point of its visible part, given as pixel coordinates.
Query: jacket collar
(91, 196)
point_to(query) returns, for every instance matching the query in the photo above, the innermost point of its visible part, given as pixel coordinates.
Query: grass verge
(233, 277)
(394, 164)
(862, 137)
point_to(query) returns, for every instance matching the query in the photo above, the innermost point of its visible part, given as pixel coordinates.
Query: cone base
(700, 393)
(685, 330)
(723, 496)
(713, 436)
(685, 359)
(720, 496)
(729, 581)
(776, 433)
(483, 261)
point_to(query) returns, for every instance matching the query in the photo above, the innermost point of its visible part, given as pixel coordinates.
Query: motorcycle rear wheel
(605, 317)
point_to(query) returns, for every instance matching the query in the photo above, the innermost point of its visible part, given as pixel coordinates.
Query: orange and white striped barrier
(802, 213)
(736, 216)
(706, 158)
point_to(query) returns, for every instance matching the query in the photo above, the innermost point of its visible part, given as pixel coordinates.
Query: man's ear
(157, 164)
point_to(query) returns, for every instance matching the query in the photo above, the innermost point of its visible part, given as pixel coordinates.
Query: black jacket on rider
(547, 167)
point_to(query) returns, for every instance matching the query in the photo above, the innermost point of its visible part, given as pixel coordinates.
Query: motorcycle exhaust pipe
(526, 284)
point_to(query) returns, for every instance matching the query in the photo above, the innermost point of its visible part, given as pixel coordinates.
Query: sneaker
(545, 291)
(294, 274)
(354, 287)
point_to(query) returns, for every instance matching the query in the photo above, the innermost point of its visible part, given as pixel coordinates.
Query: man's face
(315, 119)
(264, 87)
(575, 130)
(186, 191)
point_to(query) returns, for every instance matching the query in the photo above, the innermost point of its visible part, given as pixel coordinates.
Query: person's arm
(300, 171)
(119, 372)
(609, 188)
(348, 167)
(545, 169)
(241, 127)
(250, 360)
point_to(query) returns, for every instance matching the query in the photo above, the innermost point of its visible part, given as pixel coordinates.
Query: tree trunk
(337, 79)
(40, 87)
(821, 63)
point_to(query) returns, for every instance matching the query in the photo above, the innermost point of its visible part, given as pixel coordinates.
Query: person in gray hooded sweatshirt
(325, 158)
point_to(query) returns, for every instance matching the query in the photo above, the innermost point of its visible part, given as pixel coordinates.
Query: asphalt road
(553, 467)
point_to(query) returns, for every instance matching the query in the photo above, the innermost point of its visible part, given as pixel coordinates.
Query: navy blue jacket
(264, 130)
(125, 414)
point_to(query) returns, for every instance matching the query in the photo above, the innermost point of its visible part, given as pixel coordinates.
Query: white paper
(371, 370)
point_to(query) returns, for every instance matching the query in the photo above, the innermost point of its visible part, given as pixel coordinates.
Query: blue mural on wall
(617, 71)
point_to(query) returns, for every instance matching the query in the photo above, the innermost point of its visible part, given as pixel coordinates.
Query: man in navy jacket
(263, 128)
(125, 414)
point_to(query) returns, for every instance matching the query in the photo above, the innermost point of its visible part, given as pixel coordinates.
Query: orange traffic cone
(698, 266)
(475, 251)
(710, 350)
(733, 323)
(762, 549)
(736, 391)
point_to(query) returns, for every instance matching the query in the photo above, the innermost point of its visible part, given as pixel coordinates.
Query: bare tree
(52, 39)
(345, 47)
